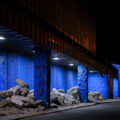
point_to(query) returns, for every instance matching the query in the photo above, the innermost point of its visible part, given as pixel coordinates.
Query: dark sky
(92, 6)
(105, 13)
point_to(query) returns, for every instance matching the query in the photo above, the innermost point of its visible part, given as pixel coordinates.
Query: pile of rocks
(95, 97)
(20, 97)
(60, 98)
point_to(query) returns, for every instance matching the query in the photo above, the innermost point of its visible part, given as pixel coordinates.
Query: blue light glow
(14, 66)
(99, 83)
(62, 78)
(116, 85)
(115, 88)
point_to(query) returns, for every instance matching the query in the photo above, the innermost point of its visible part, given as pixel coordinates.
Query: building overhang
(23, 22)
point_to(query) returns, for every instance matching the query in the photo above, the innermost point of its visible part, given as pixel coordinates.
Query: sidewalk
(60, 109)
(111, 100)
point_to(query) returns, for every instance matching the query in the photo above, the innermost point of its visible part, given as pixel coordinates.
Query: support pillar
(42, 75)
(110, 87)
(83, 82)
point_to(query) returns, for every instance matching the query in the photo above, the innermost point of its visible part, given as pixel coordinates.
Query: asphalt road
(98, 112)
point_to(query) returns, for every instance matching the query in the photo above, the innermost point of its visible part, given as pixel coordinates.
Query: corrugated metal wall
(3, 73)
(55, 24)
(65, 15)
(20, 66)
(14, 66)
(99, 83)
(62, 78)
(115, 88)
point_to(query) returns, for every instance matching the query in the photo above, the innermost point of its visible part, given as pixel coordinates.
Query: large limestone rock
(74, 92)
(4, 102)
(62, 98)
(17, 102)
(69, 100)
(25, 87)
(39, 103)
(41, 107)
(31, 94)
(22, 83)
(53, 105)
(6, 94)
(24, 91)
(95, 97)
(21, 101)
(16, 90)
(61, 91)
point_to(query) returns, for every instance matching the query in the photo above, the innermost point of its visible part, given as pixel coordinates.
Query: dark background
(106, 14)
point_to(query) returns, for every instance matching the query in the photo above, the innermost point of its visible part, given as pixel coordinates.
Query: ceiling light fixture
(2, 38)
(56, 58)
(33, 51)
(92, 71)
(71, 64)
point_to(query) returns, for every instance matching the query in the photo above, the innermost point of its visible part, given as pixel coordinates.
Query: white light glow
(2, 38)
(92, 71)
(33, 51)
(56, 58)
(71, 64)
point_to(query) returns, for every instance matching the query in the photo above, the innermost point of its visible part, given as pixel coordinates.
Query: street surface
(98, 112)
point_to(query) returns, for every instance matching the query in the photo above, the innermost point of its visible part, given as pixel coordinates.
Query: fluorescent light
(56, 58)
(33, 51)
(71, 64)
(2, 38)
(92, 71)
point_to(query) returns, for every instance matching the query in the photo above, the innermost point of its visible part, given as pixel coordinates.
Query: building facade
(51, 44)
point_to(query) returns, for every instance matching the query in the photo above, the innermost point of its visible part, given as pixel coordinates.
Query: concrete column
(42, 75)
(83, 82)
(110, 87)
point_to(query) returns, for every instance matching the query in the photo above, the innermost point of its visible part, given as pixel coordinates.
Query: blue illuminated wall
(20, 66)
(62, 78)
(116, 83)
(3, 70)
(16, 65)
(83, 82)
(115, 88)
(99, 83)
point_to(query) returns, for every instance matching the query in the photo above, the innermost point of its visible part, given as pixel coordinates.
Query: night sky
(105, 14)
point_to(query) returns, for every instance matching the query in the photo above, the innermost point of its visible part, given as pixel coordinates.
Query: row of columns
(42, 77)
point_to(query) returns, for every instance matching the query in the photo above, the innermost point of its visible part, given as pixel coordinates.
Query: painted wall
(20, 66)
(2, 70)
(117, 84)
(99, 83)
(115, 88)
(62, 78)
(17, 66)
